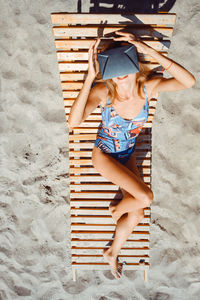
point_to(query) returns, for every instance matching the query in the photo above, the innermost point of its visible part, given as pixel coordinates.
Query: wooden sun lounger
(92, 227)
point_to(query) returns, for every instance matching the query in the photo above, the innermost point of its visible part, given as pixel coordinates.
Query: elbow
(191, 82)
(71, 124)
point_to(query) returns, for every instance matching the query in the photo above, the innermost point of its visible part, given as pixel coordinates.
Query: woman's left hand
(131, 38)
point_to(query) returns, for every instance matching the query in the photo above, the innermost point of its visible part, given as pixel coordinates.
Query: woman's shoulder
(101, 91)
(150, 84)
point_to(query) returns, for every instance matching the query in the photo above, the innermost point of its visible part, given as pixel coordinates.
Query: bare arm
(182, 79)
(78, 107)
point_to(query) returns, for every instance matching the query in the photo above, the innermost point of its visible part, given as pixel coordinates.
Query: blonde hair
(141, 76)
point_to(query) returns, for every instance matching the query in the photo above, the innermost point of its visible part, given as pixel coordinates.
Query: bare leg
(128, 204)
(124, 228)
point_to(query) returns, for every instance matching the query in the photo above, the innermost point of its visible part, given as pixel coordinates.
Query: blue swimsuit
(117, 136)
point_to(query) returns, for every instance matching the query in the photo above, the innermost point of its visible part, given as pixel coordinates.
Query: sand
(34, 216)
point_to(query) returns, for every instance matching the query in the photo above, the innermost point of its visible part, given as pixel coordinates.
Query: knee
(147, 198)
(139, 214)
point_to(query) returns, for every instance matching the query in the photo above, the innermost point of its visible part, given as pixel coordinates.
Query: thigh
(118, 173)
(132, 166)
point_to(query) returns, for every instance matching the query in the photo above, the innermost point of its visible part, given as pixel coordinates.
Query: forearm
(78, 107)
(177, 71)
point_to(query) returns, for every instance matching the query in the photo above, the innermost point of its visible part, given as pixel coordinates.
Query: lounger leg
(74, 274)
(145, 276)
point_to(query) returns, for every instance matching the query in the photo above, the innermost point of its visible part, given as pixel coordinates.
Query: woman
(119, 167)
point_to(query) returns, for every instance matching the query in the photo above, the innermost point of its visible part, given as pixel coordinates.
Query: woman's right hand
(93, 65)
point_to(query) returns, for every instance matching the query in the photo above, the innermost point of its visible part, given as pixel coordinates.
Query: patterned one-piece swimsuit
(117, 136)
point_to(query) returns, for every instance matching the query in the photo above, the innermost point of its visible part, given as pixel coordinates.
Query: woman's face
(124, 80)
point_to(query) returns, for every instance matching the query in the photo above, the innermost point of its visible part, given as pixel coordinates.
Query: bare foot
(116, 268)
(115, 214)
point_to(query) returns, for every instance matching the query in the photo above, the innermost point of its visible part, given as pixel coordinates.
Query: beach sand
(35, 258)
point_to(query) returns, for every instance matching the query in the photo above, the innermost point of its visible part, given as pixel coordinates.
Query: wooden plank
(87, 145)
(78, 154)
(136, 235)
(91, 211)
(85, 44)
(105, 266)
(90, 136)
(76, 76)
(96, 219)
(74, 94)
(103, 243)
(74, 67)
(94, 195)
(101, 227)
(77, 202)
(143, 136)
(86, 124)
(72, 76)
(126, 19)
(89, 170)
(99, 219)
(95, 117)
(92, 186)
(85, 162)
(82, 55)
(97, 178)
(102, 31)
(69, 102)
(98, 258)
(96, 251)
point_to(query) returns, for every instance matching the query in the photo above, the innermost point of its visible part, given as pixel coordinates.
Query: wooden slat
(126, 19)
(93, 194)
(104, 211)
(104, 202)
(93, 226)
(104, 242)
(152, 103)
(101, 222)
(106, 266)
(91, 136)
(74, 94)
(98, 258)
(93, 117)
(82, 55)
(91, 170)
(98, 219)
(136, 235)
(82, 153)
(98, 178)
(87, 145)
(141, 136)
(74, 67)
(102, 31)
(72, 76)
(65, 76)
(98, 251)
(85, 44)
(87, 124)
(86, 162)
(72, 85)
